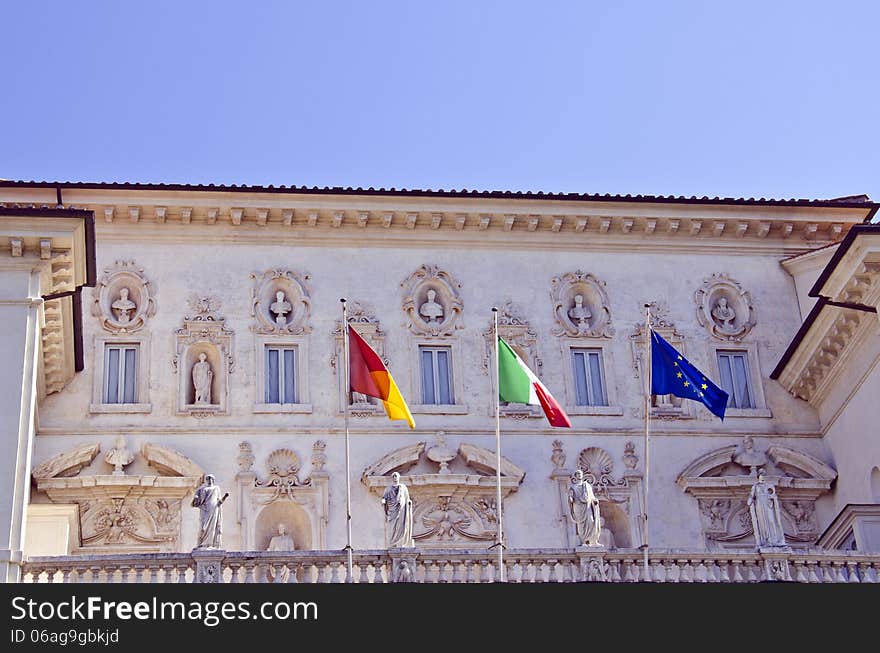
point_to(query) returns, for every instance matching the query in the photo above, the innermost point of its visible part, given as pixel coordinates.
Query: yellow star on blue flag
(672, 374)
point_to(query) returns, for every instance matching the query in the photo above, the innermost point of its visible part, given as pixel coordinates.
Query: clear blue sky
(772, 99)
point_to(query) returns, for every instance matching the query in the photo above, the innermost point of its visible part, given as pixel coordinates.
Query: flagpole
(499, 544)
(349, 577)
(647, 380)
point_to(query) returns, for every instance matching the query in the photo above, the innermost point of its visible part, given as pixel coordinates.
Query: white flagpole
(647, 379)
(349, 577)
(499, 544)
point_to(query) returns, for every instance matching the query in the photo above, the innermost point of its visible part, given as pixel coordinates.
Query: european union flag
(672, 374)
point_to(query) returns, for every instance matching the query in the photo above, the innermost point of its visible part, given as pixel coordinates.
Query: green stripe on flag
(514, 384)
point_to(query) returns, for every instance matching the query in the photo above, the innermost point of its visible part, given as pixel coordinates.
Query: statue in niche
(750, 458)
(724, 315)
(208, 500)
(579, 313)
(431, 310)
(583, 506)
(123, 306)
(202, 375)
(280, 542)
(280, 307)
(766, 517)
(398, 513)
(119, 456)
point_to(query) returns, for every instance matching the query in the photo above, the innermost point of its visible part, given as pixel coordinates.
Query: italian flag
(518, 384)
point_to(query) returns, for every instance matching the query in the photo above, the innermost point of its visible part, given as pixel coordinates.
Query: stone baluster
(469, 571)
(509, 571)
(154, 574)
(800, 571)
(629, 574)
(839, 577)
(95, 570)
(812, 576)
(249, 571)
(672, 570)
(66, 570)
(456, 571)
(554, 571)
(236, 568)
(753, 571)
(827, 572)
(614, 571)
(866, 572)
(852, 571)
(322, 571)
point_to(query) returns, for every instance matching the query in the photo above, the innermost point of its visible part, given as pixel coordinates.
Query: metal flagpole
(349, 578)
(499, 544)
(647, 380)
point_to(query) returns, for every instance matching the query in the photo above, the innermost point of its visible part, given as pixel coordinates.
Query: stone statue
(119, 456)
(431, 310)
(579, 313)
(750, 458)
(398, 513)
(208, 500)
(280, 307)
(583, 507)
(202, 376)
(280, 542)
(766, 516)
(724, 315)
(123, 306)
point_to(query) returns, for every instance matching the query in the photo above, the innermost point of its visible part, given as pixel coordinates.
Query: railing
(454, 566)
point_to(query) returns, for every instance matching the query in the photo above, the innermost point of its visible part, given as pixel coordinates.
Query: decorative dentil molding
(280, 302)
(724, 308)
(123, 299)
(580, 306)
(432, 302)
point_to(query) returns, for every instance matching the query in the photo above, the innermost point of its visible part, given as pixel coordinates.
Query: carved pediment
(169, 461)
(68, 463)
(399, 460)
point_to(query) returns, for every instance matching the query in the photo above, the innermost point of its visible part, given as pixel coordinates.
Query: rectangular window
(436, 375)
(589, 380)
(735, 378)
(281, 375)
(120, 374)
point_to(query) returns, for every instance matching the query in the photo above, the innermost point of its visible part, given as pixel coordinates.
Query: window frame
(101, 345)
(262, 345)
(756, 378)
(415, 386)
(606, 356)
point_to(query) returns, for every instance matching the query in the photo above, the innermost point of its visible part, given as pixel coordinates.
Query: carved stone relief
(120, 511)
(302, 505)
(280, 302)
(123, 298)
(724, 308)
(721, 481)
(203, 359)
(620, 499)
(580, 306)
(432, 302)
(452, 489)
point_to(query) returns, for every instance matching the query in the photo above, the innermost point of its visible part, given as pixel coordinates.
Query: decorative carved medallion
(283, 466)
(280, 302)
(123, 298)
(432, 301)
(724, 308)
(580, 306)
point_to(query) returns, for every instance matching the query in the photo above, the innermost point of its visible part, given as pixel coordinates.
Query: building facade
(179, 331)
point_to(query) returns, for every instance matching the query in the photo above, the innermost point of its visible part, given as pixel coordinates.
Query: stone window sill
(282, 408)
(439, 409)
(748, 412)
(595, 410)
(120, 408)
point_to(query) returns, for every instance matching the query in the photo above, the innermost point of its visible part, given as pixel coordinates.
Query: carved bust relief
(280, 302)
(123, 298)
(432, 301)
(724, 308)
(580, 306)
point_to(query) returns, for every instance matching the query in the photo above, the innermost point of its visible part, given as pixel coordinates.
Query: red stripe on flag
(361, 361)
(555, 415)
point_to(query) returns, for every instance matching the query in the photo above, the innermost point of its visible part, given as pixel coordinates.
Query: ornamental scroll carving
(580, 306)
(432, 302)
(280, 302)
(724, 308)
(123, 298)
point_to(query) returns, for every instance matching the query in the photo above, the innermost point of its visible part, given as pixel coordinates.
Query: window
(589, 381)
(281, 375)
(436, 365)
(735, 378)
(120, 374)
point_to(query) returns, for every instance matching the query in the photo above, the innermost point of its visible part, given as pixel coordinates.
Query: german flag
(368, 375)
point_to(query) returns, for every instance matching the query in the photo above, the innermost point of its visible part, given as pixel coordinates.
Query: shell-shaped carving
(596, 462)
(283, 462)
